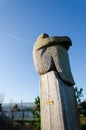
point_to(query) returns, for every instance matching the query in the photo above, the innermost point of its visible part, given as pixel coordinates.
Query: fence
(17, 115)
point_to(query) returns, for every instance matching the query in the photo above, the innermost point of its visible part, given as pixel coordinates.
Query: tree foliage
(81, 104)
(0, 107)
(83, 108)
(36, 113)
(1, 100)
(79, 94)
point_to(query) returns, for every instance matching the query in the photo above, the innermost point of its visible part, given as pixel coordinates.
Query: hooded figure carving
(50, 53)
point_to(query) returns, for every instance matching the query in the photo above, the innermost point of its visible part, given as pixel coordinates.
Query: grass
(83, 122)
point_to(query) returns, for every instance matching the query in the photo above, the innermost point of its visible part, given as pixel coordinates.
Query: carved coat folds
(50, 53)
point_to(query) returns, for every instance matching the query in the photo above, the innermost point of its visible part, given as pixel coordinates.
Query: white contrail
(17, 38)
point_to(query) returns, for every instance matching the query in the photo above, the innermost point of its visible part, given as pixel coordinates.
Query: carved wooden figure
(58, 103)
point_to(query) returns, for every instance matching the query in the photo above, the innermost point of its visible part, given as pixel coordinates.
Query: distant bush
(13, 125)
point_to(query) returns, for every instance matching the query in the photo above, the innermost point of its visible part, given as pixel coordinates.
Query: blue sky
(21, 21)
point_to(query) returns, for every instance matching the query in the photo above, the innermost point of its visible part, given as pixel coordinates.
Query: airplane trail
(17, 38)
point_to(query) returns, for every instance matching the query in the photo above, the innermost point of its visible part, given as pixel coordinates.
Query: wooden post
(58, 104)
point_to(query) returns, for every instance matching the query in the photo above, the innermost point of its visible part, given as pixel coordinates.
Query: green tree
(36, 113)
(83, 106)
(1, 100)
(79, 94)
(0, 107)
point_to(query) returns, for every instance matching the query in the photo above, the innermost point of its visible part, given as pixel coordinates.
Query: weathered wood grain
(58, 104)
